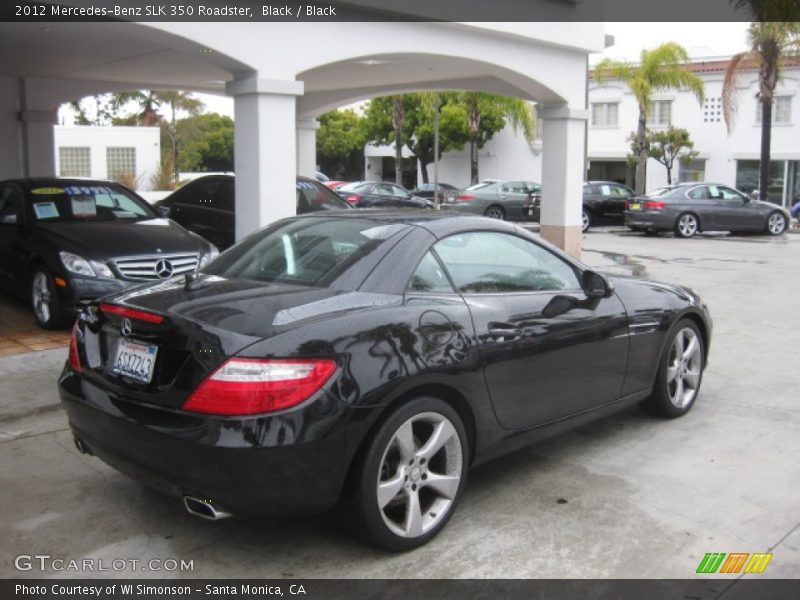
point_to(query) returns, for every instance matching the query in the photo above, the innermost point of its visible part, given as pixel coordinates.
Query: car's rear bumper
(260, 465)
(653, 220)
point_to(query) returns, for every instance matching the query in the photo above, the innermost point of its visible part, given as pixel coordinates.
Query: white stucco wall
(146, 141)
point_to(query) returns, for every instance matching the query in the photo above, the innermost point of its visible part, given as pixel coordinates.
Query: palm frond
(729, 88)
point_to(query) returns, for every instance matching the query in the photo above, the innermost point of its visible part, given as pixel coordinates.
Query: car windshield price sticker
(45, 210)
(135, 361)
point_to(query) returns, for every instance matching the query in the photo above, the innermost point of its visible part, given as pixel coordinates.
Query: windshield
(479, 186)
(311, 251)
(313, 196)
(662, 191)
(105, 202)
(349, 187)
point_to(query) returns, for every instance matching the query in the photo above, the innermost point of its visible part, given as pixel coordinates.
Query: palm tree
(769, 44)
(148, 102)
(517, 111)
(662, 68)
(177, 100)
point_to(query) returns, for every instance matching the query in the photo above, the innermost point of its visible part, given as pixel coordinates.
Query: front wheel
(686, 226)
(586, 220)
(776, 223)
(679, 374)
(412, 475)
(44, 300)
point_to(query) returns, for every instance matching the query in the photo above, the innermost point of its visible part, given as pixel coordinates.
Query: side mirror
(11, 219)
(595, 285)
(163, 210)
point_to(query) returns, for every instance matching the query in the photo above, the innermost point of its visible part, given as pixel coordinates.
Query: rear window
(106, 202)
(313, 196)
(309, 252)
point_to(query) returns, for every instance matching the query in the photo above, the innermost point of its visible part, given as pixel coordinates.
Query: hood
(109, 239)
(247, 307)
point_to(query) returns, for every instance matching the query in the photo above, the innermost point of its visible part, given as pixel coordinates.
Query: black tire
(495, 211)
(687, 225)
(44, 300)
(665, 401)
(776, 223)
(586, 220)
(382, 461)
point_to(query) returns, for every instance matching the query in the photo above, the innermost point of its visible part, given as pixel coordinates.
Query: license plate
(636, 206)
(135, 360)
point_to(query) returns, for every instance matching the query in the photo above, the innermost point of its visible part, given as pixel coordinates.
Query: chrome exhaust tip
(205, 509)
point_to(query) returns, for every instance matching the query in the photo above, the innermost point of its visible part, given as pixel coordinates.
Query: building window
(712, 110)
(660, 113)
(120, 162)
(747, 178)
(694, 171)
(605, 114)
(781, 110)
(74, 161)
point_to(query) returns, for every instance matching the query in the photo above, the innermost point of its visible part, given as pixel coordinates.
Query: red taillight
(352, 198)
(74, 358)
(653, 205)
(132, 313)
(465, 197)
(248, 386)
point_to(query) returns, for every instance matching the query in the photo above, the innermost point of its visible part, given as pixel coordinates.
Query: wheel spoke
(692, 379)
(672, 372)
(413, 522)
(678, 345)
(387, 490)
(442, 432)
(404, 439)
(444, 485)
(679, 391)
(691, 348)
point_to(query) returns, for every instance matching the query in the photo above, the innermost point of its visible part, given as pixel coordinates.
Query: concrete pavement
(629, 496)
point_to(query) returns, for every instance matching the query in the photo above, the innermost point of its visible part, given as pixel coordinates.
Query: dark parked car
(206, 205)
(67, 240)
(381, 194)
(511, 200)
(603, 201)
(369, 357)
(690, 208)
(426, 190)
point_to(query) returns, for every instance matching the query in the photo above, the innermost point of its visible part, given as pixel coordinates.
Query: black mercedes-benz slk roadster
(367, 361)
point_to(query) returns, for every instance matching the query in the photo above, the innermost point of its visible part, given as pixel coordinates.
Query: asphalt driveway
(629, 496)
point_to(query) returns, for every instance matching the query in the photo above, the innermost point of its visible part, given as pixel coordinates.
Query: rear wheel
(44, 300)
(586, 220)
(776, 223)
(679, 374)
(495, 212)
(412, 474)
(686, 226)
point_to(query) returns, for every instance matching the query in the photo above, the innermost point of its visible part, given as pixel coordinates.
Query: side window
(620, 191)
(429, 277)
(587, 190)
(605, 189)
(202, 193)
(699, 193)
(730, 195)
(398, 191)
(492, 262)
(10, 205)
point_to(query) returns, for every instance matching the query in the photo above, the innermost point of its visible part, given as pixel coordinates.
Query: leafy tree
(667, 146)
(147, 102)
(661, 68)
(206, 142)
(177, 100)
(340, 144)
(770, 43)
(93, 110)
(487, 114)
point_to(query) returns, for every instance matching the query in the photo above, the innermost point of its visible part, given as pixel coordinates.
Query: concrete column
(265, 155)
(307, 146)
(11, 160)
(563, 167)
(38, 139)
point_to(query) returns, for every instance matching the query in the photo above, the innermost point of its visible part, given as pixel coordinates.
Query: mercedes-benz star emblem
(126, 328)
(164, 269)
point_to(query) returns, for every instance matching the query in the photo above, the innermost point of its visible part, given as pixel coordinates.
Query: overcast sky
(700, 39)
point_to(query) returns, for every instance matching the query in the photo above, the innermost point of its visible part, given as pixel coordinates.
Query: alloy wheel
(585, 221)
(776, 223)
(495, 212)
(684, 367)
(419, 475)
(687, 225)
(42, 297)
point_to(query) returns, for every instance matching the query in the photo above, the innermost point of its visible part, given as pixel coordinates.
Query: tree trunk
(669, 175)
(474, 125)
(398, 115)
(423, 163)
(174, 127)
(641, 151)
(766, 135)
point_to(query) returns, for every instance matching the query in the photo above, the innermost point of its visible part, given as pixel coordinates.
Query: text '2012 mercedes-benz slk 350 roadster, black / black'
(365, 362)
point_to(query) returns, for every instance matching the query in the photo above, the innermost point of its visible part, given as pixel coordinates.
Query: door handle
(504, 332)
